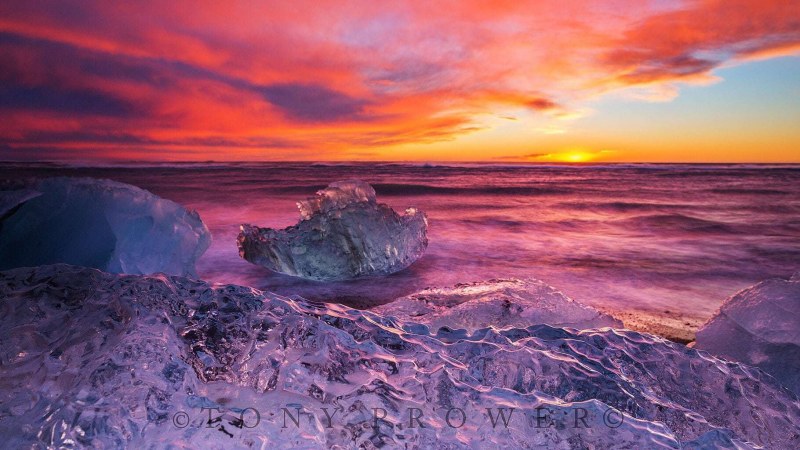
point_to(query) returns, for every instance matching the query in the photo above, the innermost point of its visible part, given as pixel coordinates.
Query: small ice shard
(344, 233)
(760, 326)
(497, 303)
(103, 224)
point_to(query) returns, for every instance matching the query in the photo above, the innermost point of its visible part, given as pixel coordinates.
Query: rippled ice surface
(647, 238)
(496, 303)
(94, 359)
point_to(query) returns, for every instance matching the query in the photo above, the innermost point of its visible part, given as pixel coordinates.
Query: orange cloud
(325, 79)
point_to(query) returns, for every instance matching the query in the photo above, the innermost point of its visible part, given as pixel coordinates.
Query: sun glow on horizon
(572, 156)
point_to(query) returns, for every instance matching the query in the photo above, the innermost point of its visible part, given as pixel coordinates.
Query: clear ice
(103, 224)
(344, 233)
(497, 303)
(96, 360)
(760, 326)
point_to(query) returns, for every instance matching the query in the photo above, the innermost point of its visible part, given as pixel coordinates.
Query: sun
(573, 156)
(578, 157)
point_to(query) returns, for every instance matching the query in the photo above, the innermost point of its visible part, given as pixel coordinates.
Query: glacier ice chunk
(96, 360)
(344, 233)
(12, 199)
(96, 223)
(497, 303)
(760, 326)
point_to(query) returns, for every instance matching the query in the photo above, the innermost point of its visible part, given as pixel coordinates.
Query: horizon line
(409, 162)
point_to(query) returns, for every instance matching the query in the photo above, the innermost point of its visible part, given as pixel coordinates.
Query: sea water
(625, 238)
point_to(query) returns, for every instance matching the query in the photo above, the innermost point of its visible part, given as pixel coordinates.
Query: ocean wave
(414, 189)
(748, 191)
(675, 222)
(619, 206)
(490, 221)
(544, 216)
(426, 189)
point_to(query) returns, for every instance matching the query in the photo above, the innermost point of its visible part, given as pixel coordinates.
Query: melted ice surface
(91, 359)
(96, 223)
(760, 326)
(344, 234)
(497, 303)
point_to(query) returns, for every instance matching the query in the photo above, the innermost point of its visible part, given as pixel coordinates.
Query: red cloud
(692, 41)
(290, 79)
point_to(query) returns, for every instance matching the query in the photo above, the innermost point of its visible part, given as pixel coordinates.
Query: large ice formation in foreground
(104, 224)
(91, 359)
(498, 303)
(344, 233)
(760, 326)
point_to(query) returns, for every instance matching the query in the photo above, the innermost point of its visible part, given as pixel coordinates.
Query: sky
(497, 81)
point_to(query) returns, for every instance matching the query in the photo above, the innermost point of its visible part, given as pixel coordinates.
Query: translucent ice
(760, 326)
(95, 360)
(344, 233)
(498, 303)
(337, 195)
(12, 199)
(98, 223)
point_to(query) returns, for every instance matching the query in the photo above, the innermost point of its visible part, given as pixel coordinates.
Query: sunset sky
(537, 81)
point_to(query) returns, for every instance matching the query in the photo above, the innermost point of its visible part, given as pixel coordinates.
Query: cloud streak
(285, 80)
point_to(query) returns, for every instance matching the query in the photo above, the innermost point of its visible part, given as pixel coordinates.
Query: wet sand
(668, 324)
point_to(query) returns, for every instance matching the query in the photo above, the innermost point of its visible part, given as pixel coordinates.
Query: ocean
(658, 246)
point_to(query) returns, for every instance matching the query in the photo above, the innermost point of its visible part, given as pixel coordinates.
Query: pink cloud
(320, 77)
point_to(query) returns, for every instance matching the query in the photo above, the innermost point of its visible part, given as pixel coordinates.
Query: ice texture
(96, 223)
(498, 303)
(10, 200)
(91, 359)
(760, 326)
(344, 233)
